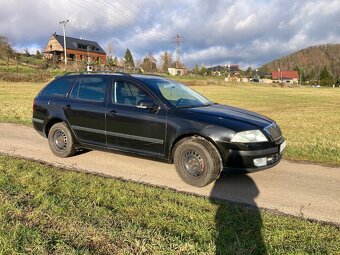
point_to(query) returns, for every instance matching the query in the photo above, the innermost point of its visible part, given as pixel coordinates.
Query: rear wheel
(61, 141)
(197, 161)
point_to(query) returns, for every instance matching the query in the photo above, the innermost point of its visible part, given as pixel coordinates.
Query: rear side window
(59, 87)
(90, 89)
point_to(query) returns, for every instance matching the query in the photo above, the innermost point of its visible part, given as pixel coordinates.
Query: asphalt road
(306, 190)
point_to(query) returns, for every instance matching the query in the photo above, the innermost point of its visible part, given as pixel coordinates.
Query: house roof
(277, 75)
(79, 44)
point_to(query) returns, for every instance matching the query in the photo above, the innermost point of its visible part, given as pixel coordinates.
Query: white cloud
(214, 32)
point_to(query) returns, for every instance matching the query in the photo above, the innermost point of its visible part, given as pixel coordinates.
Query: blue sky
(245, 32)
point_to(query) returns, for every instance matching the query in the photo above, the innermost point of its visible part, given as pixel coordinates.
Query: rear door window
(59, 87)
(90, 89)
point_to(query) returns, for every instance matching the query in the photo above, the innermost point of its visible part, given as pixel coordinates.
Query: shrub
(25, 77)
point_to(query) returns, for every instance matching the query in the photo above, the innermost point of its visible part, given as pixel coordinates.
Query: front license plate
(283, 146)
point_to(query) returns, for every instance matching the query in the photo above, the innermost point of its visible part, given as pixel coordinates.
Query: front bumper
(243, 160)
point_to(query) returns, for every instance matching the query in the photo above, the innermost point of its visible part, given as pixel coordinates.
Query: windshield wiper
(193, 106)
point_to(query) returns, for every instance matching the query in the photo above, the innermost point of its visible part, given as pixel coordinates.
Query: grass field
(44, 210)
(309, 117)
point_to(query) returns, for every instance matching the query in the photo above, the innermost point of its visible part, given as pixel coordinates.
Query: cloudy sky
(245, 32)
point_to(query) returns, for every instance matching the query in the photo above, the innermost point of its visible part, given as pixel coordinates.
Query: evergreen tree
(249, 72)
(38, 55)
(312, 75)
(129, 59)
(326, 78)
(115, 61)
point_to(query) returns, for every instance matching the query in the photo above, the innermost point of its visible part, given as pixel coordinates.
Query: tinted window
(126, 93)
(90, 88)
(59, 87)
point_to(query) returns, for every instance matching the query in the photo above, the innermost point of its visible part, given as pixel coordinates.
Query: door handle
(112, 113)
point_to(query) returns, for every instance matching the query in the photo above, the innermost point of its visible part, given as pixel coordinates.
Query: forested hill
(310, 61)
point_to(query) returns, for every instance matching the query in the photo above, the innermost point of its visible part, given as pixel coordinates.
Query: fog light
(258, 162)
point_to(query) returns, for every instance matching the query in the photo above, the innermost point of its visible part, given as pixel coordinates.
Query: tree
(203, 70)
(109, 56)
(27, 53)
(249, 72)
(196, 70)
(166, 61)
(129, 59)
(38, 55)
(312, 75)
(115, 61)
(6, 50)
(326, 78)
(149, 63)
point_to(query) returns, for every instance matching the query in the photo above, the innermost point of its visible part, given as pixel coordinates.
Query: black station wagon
(156, 117)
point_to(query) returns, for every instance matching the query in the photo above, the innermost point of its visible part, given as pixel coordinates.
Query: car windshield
(177, 94)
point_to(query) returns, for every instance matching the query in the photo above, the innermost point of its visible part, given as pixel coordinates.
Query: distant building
(177, 71)
(76, 49)
(286, 76)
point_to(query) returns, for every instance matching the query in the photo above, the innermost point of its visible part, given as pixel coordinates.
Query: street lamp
(63, 23)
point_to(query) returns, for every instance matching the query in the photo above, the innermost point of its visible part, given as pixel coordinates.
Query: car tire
(197, 161)
(60, 140)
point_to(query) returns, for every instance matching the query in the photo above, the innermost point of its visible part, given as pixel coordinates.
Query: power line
(92, 11)
(110, 11)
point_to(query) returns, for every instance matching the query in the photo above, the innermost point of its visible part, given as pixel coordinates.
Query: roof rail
(123, 73)
(158, 75)
(95, 72)
(68, 73)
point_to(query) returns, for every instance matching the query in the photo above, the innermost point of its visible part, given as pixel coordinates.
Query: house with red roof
(285, 76)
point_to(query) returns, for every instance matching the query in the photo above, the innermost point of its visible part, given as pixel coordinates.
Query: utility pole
(63, 23)
(177, 41)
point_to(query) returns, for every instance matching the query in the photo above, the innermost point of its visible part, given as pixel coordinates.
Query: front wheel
(197, 161)
(60, 140)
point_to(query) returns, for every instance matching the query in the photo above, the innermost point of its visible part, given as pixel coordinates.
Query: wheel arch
(50, 123)
(55, 120)
(188, 136)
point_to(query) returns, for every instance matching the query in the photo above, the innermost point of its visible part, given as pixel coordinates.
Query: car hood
(233, 113)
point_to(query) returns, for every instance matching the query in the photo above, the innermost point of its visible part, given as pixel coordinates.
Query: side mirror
(146, 104)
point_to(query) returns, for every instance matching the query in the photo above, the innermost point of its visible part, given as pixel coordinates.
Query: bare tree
(110, 53)
(6, 50)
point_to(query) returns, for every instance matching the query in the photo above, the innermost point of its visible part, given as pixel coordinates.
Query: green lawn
(44, 210)
(308, 117)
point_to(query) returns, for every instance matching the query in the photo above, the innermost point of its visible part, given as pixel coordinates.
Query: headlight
(251, 136)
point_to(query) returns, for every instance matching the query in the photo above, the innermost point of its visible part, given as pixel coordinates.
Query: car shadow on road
(238, 224)
(81, 151)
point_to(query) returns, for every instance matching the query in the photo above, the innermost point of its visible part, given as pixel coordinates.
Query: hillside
(310, 61)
